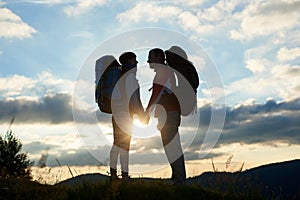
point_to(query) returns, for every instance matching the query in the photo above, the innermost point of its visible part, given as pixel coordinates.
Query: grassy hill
(280, 180)
(274, 181)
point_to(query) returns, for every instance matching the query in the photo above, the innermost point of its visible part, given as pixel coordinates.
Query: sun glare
(141, 130)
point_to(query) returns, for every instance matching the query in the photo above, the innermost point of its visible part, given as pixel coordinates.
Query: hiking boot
(113, 174)
(125, 176)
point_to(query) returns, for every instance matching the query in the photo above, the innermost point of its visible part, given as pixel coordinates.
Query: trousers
(168, 127)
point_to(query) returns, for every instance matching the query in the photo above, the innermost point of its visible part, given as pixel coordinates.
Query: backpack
(108, 72)
(188, 80)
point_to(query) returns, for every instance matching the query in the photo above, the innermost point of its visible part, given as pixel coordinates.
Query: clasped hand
(145, 117)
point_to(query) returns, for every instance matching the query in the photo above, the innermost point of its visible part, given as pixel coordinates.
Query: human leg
(124, 154)
(122, 143)
(172, 146)
(115, 150)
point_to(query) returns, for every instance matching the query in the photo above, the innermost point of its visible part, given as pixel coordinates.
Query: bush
(13, 164)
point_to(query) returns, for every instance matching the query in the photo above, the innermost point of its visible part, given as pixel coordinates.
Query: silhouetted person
(168, 113)
(124, 110)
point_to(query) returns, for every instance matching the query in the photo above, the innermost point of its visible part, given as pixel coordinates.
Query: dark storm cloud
(190, 154)
(37, 147)
(53, 109)
(75, 157)
(258, 123)
(265, 123)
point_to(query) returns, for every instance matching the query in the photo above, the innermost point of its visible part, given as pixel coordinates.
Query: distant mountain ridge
(277, 179)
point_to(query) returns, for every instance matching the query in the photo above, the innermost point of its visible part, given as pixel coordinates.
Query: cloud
(44, 98)
(190, 21)
(37, 147)
(288, 81)
(83, 6)
(49, 2)
(269, 123)
(149, 12)
(265, 123)
(219, 11)
(191, 3)
(19, 86)
(176, 13)
(12, 26)
(237, 20)
(264, 18)
(188, 16)
(270, 79)
(54, 109)
(254, 123)
(248, 123)
(71, 157)
(256, 65)
(79, 157)
(285, 54)
(15, 84)
(49, 109)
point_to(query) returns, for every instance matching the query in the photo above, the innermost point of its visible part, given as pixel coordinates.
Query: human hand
(145, 117)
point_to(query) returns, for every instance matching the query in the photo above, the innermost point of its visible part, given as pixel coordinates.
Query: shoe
(125, 176)
(113, 174)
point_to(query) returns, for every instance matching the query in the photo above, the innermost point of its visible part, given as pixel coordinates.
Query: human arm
(133, 93)
(157, 90)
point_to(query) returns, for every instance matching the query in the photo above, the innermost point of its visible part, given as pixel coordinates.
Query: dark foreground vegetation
(133, 189)
(273, 181)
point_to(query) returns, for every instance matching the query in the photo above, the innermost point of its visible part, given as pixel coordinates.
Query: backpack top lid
(106, 61)
(178, 51)
(103, 63)
(177, 58)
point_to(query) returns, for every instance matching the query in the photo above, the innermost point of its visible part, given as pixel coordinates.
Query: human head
(157, 56)
(128, 58)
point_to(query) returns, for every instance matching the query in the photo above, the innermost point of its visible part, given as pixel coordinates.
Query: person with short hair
(167, 110)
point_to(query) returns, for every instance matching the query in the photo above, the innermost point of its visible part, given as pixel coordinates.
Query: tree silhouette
(13, 163)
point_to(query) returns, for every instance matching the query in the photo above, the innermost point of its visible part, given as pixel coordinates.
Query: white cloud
(278, 82)
(256, 65)
(259, 51)
(82, 6)
(288, 81)
(13, 85)
(189, 21)
(12, 26)
(257, 87)
(50, 2)
(266, 18)
(188, 16)
(54, 84)
(21, 86)
(191, 3)
(219, 11)
(149, 12)
(285, 54)
(198, 61)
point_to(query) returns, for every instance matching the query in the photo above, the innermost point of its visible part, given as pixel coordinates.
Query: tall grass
(134, 189)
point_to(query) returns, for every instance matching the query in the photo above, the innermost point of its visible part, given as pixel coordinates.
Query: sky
(246, 53)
